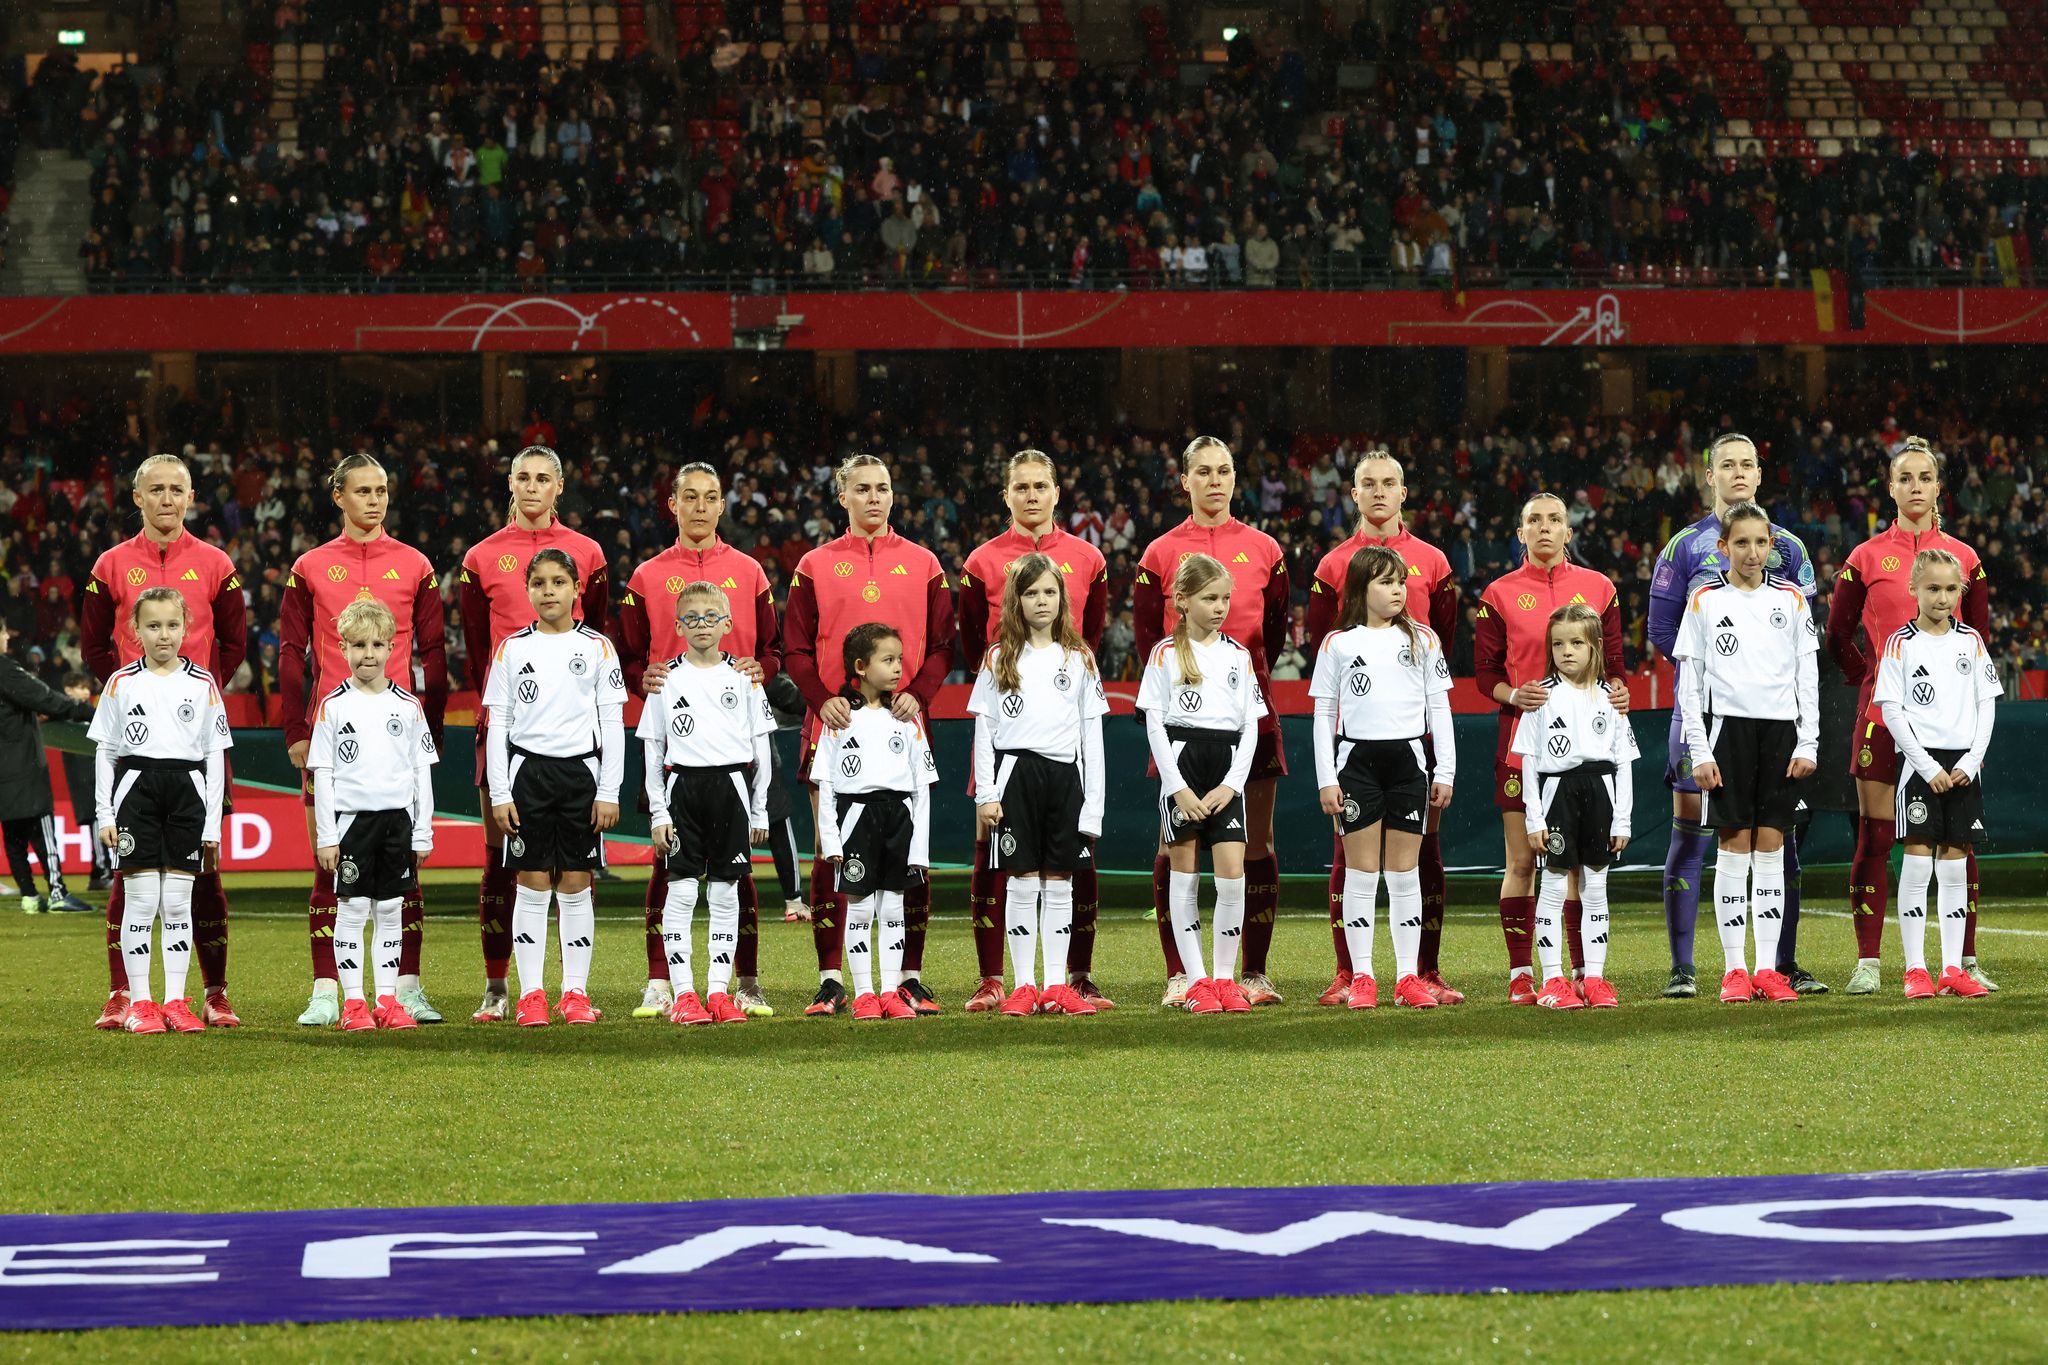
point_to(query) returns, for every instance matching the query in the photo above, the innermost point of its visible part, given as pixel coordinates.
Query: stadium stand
(883, 144)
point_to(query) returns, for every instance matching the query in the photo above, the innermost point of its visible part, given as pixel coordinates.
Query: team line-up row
(866, 637)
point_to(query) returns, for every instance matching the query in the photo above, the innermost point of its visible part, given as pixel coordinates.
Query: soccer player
(1577, 755)
(1038, 706)
(649, 636)
(556, 757)
(1511, 652)
(1380, 488)
(164, 555)
(1752, 727)
(1032, 490)
(1258, 622)
(1938, 692)
(870, 575)
(1873, 598)
(874, 816)
(1202, 705)
(370, 759)
(160, 732)
(1732, 473)
(365, 563)
(25, 798)
(1385, 754)
(495, 603)
(705, 732)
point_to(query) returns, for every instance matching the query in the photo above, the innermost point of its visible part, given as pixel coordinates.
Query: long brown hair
(1374, 564)
(1195, 573)
(1013, 636)
(1587, 621)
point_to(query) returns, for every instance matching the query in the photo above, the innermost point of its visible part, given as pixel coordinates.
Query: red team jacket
(217, 630)
(981, 612)
(325, 580)
(1258, 605)
(647, 613)
(1511, 641)
(1429, 574)
(494, 600)
(1873, 598)
(848, 582)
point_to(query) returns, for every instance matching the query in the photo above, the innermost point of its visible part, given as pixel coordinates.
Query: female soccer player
(1752, 727)
(1257, 622)
(1202, 707)
(365, 563)
(556, 757)
(869, 575)
(1873, 598)
(1382, 694)
(705, 732)
(164, 555)
(495, 603)
(370, 759)
(1379, 487)
(648, 638)
(1511, 658)
(160, 725)
(874, 816)
(1038, 706)
(1577, 754)
(1032, 491)
(1731, 473)
(1938, 692)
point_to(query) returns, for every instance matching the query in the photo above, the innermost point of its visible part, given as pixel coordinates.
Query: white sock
(578, 921)
(530, 936)
(1550, 924)
(390, 927)
(1916, 870)
(351, 918)
(1594, 926)
(406, 982)
(144, 892)
(724, 898)
(1056, 929)
(890, 932)
(177, 941)
(860, 948)
(1731, 907)
(1404, 911)
(678, 914)
(1020, 928)
(1227, 931)
(1184, 904)
(1952, 878)
(1361, 895)
(1767, 902)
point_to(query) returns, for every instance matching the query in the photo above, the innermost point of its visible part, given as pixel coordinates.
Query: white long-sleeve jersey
(875, 753)
(371, 751)
(176, 716)
(1056, 712)
(558, 695)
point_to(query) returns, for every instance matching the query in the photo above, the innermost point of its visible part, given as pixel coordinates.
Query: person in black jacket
(25, 803)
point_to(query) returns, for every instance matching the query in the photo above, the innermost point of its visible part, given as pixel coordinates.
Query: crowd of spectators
(421, 160)
(1627, 486)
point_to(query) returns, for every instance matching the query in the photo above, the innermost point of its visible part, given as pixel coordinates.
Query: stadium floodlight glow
(71, 37)
(1229, 35)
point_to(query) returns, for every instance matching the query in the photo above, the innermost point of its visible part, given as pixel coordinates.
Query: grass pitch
(281, 1117)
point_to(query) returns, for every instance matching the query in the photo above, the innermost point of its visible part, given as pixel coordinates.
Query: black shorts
(1383, 780)
(1954, 818)
(1754, 792)
(1578, 815)
(1041, 825)
(159, 815)
(1203, 757)
(554, 796)
(709, 809)
(874, 844)
(376, 855)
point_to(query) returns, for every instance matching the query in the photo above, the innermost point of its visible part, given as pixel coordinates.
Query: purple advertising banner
(891, 1251)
